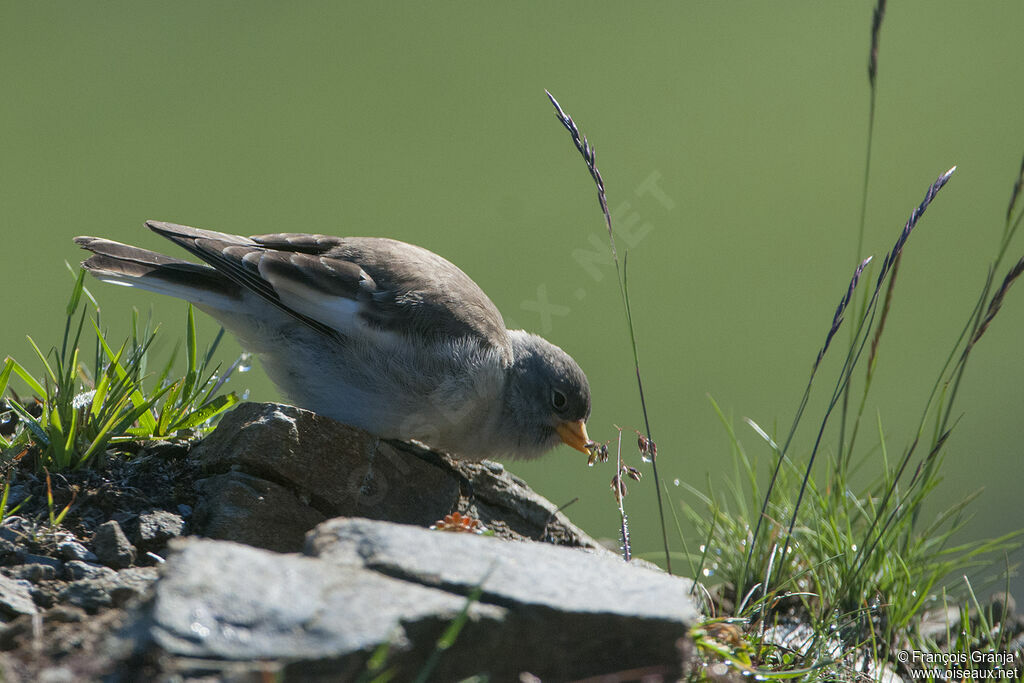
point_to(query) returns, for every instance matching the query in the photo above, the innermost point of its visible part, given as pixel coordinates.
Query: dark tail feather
(124, 264)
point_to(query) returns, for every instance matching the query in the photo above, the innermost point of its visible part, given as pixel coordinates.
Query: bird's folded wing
(349, 286)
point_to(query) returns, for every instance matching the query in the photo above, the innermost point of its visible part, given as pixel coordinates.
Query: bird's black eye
(558, 399)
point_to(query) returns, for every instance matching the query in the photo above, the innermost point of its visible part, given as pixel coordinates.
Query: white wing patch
(337, 312)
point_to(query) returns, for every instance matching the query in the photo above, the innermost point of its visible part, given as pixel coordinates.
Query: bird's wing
(344, 286)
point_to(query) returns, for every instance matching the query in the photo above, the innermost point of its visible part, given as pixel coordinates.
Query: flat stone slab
(518, 573)
(225, 600)
(558, 613)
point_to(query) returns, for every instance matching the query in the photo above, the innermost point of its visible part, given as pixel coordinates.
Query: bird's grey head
(547, 396)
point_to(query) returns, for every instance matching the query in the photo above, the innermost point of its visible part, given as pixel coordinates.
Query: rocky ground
(286, 546)
(63, 586)
(253, 554)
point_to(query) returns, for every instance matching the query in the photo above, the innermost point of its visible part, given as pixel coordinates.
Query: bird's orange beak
(574, 435)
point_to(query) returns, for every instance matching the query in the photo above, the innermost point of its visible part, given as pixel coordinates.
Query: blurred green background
(428, 123)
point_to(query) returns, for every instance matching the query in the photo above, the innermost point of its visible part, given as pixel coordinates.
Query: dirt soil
(79, 582)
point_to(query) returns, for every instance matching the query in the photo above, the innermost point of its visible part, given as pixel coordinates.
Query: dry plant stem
(627, 551)
(590, 157)
(643, 409)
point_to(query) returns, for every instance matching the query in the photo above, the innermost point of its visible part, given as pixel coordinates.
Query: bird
(373, 332)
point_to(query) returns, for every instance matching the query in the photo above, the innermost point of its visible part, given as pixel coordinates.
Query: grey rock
(12, 540)
(112, 546)
(342, 470)
(244, 508)
(12, 633)
(65, 614)
(336, 470)
(230, 601)
(506, 503)
(132, 583)
(153, 529)
(102, 591)
(77, 569)
(9, 534)
(570, 581)
(73, 550)
(10, 552)
(57, 674)
(17, 494)
(16, 529)
(15, 597)
(559, 613)
(937, 623)
(88, 594)
(36, 568)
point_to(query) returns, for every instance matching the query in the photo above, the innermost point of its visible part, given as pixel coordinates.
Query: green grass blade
(33, 424)
(374, 671)
(190, 354)
(146, 420)
(117, 425)
(46, 363)
(69, 441)
(206, 412)
(67, 387)
(12, 365)
(139, 411)
(167, 412)
(5, 375)
(72, 306)
(168, 367)
(3, 499)
(213, 347)
(212, 384)
(99, 396)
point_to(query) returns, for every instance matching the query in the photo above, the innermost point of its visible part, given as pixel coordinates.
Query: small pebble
(73, 550)
(76, 569)
(112, 546)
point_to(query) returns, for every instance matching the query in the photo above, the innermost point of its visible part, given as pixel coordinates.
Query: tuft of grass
(78, 410)
(857, 563)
